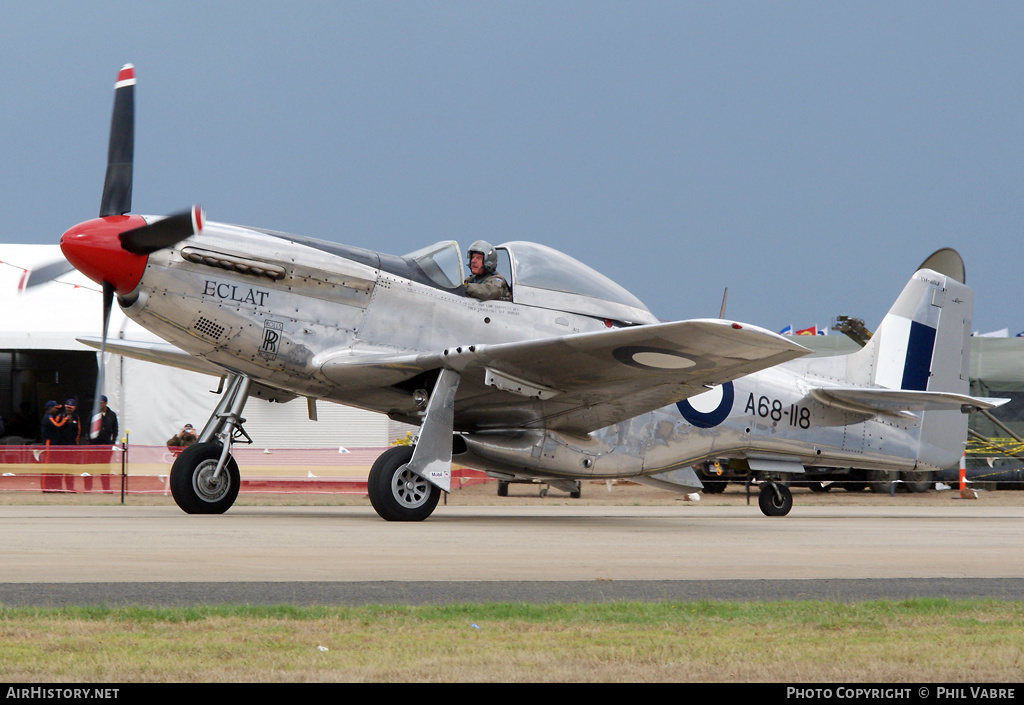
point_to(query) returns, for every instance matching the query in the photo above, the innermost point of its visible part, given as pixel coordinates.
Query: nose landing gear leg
(205, 478)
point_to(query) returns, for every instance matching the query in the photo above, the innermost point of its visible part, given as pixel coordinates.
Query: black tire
(502, 488)
(713, 486)
(397, 493)
(191, 484)
(576, 493)
(882, 481)
(775, 500)
(918, 481)
(819, 487)
(855, 486)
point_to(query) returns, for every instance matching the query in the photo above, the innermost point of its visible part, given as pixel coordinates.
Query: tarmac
(619, 543)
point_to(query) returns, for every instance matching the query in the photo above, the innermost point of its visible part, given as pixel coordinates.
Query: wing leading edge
(158, 352)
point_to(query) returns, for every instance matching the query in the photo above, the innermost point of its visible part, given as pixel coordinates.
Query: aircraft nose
(94, 249)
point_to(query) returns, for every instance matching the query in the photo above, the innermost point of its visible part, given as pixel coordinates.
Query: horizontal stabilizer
(894, 401)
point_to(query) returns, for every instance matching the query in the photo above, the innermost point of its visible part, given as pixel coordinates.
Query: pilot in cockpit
(484, 282)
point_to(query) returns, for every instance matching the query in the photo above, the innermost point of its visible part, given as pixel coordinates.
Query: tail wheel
(195, 485)
(775, 499)
(396, 492)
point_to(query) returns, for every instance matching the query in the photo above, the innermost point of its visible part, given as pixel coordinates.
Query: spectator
(71, 431)
(52, 424)
(183, 438)
(108, 425)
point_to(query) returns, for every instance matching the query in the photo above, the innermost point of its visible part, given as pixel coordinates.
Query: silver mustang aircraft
(572, 379)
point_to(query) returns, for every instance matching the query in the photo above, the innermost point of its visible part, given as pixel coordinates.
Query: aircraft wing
(166, 354)
(892, 401)
(581, 382)
(158, 352)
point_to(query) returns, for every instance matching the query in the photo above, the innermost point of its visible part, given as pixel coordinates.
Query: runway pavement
(120, 555)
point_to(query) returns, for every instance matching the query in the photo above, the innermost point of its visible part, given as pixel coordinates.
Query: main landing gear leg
(205, 478)
(405, 483)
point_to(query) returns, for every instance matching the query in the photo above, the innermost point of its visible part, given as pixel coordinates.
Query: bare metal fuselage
(275, 310)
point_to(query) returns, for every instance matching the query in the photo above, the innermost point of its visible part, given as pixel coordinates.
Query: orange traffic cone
(965, 492)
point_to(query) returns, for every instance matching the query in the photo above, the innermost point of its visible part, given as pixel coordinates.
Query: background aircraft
(574, 378)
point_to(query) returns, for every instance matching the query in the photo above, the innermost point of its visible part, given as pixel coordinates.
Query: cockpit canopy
(441, 262)
(548, 278)
(540, 276)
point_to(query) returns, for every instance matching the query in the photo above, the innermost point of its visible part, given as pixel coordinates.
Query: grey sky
(806, 155)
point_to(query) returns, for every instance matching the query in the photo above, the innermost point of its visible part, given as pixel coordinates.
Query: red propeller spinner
(114, 249)
(94, 248)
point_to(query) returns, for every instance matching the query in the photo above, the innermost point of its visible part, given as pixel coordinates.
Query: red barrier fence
(145, 469)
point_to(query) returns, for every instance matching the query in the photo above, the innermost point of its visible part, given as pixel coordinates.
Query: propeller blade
(163, 233)
(117, 186)
(97, 418)
(41, 275)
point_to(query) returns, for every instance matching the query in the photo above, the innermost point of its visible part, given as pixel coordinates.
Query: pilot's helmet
(490, 256)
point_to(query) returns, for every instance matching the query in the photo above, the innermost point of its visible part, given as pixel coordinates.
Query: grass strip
(921, 640)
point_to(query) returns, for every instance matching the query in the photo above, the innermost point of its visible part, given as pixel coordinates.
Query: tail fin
(917, 363)
(923, 343)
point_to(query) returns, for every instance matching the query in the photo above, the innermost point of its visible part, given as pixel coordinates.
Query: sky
(804, 156)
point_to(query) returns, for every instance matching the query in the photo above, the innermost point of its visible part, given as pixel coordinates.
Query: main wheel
(396, 492)
(193, 485)
(775, 499)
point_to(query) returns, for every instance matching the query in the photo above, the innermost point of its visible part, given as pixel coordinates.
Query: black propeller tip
(46, 273)
(166, 232)
(117, 186)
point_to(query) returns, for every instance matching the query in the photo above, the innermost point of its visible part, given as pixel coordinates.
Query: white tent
(42, 323)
